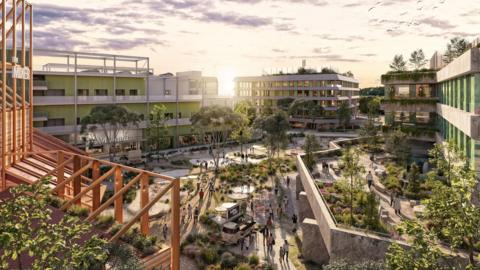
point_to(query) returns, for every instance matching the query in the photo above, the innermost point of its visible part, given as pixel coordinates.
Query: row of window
(317, 83)
(295, 93)
(85, 92)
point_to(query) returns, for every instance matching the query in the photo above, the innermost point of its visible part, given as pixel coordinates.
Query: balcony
(94, 99)
(40, 116)
(131, 99)
(40, 85)
(53, 100)
(417, 104)
(172, 98)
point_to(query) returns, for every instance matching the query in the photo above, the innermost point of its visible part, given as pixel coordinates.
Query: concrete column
(313, 246)
(304, 209)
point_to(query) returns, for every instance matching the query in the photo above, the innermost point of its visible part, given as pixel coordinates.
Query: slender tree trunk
(351, 200)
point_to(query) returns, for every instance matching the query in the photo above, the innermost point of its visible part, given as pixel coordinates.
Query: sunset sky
(247, 37)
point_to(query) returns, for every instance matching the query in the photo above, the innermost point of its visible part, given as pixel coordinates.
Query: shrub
(130, 195)
(210, 255)
(253, 260)
(228, 261)
(105, 222)
(243, 266)
(115, 229)
(78, 211)
(54, 201)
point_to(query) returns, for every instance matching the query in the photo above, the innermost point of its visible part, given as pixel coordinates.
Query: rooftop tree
(111, 121)
(417, 59)
(456, 47)
(215, 123)
(398, 63)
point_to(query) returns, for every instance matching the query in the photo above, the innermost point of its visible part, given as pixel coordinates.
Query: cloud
(355, 4)
(322, 50)
(437, 23)
(327, 57)
(278, 51)
(234, 19)
(341, 38)
(59, 39)
(368, 54)
(285, 27)
(130, 43)
(310, 2)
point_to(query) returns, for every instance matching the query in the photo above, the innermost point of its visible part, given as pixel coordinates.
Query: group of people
(247, 241)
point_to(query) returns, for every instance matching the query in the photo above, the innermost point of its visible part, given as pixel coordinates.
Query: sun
(226, 82)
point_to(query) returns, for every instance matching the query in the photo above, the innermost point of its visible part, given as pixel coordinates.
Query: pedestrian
(276, 189)
(251, 206)
(281, 254)
(288, 181)
(397, 205)
(242, 243)
(189, 211)
(271, 213)
(165, 231)
(285, 202)
(211, 187)
(247, 242)
(198, 186)
(279, 211)
(183, 216)
(369, 179)
(195, 215)
(392, 196)
(285, 249)
(200, 194)
(263, 231)
(294, 221)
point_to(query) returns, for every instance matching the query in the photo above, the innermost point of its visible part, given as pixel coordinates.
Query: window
(52, 122)
(55, 92)
(101, 92)
(82, 92)
(133, 92)
(39, 93)
(120, 92)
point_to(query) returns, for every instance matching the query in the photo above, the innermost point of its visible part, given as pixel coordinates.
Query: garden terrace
(403, 77)
(410, 105)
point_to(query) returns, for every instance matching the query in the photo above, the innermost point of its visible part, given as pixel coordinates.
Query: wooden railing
(84, 182)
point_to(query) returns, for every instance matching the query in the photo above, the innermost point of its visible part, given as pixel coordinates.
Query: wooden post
(14, 82)
(144, 223)
(60, 174)
(118, 204)
(30, 98)
(77, 181)
(175, 226)
(95, 190)
(4, 95)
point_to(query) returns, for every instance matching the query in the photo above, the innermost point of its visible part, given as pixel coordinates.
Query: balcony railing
(40, 85)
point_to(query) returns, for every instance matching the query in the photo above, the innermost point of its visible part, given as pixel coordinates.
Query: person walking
(288, 181)
(200, 194)
(286, 249)
(397, 205)
(242, 243)
(165, 231)
(281, 254)
(189, 211)
(195, 215)
(369, 179)
(392, 197)
(294, 221)
(252, 207)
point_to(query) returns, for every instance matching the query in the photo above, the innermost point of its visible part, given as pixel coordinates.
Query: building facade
(327, 90)
(451, 99)
(70, 84)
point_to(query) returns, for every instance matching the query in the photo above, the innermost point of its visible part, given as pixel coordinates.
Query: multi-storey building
(327, 90)
(444, 101)
(70, 84)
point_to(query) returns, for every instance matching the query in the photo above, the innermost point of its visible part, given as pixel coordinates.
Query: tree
(215, 124)
(157, 131)
(344, 115)
(284, 104)
(423, 253)
(242, 133)
(247, 109)
(413, 178)
(456, 47)
(306, 108)
(452, 212)
(398, 63)
(352, 174)
(26, 227)
(275, 129)
(417, 59)
(114, 121)
(310, 146)
(396, 143)
(446, 157)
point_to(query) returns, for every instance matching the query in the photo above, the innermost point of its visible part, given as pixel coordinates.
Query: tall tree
(157, 131)
(398, 63)
(456, 47)
(396, 143)
(246, 108)
(417, 59)
(352, 174)
(26, 227)
(344, 114)
(113, 121)
(423, 253)
(445, 158)
(215, 124)
(242, 132)
(310, 146)
(452, 211)
(274, 127)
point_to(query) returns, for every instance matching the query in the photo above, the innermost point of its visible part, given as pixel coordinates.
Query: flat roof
(297, 77)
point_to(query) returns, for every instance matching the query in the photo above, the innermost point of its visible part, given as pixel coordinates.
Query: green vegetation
(345, 265)
(344, 115)
(455, 48)
(157, 132)
(398, 63)
(372, 91)
(416, 75)
(417, 59)
(410, 101)
(146, 245)
(397, 145)
(26, 228)
(351, 172)
(310, 146)
(274, 127)
(112, 120)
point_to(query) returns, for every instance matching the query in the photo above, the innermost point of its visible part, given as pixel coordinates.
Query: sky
(251, 37)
